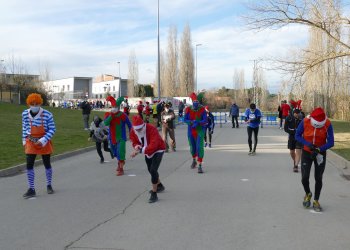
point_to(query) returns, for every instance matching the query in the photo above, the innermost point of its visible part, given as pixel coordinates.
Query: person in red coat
(285, 112)
(148, 111)
(146, 140)
(140, 109)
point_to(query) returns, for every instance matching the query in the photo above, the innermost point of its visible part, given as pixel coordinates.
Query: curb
(20, 168)
(340, 163)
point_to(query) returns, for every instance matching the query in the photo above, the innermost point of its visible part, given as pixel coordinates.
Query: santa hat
(193, 96)
(137, 122)
(318, 117)
(140, 102)
(296, 104)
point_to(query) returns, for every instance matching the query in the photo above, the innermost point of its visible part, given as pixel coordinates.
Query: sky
(89, 37)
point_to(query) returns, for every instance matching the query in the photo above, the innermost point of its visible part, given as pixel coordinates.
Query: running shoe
(200, 170)
(205, 145)
(253, 153)
(317, 207)
(29, 194)
(50, 190)
(153, 197)
(194, 164)
(295, 169)
(307, 198)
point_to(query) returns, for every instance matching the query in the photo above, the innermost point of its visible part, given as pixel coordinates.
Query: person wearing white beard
(146, 140)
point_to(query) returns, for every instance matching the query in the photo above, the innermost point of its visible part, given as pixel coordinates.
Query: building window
(68, 87)
(114, 95)
(96, 96)
(63, 88)
(113, 88)
(101, 96)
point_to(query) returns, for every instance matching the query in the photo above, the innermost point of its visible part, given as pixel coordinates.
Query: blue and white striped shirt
(44, 117)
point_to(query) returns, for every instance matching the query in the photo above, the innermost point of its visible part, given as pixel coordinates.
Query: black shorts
(155, 116)
(294, 144)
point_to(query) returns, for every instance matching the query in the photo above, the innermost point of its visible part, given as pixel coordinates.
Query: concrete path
(240, 202)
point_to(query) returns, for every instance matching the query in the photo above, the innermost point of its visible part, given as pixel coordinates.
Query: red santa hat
(137, 122)
(318, 117)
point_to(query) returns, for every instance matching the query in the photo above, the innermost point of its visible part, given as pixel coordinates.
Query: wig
(34, 98)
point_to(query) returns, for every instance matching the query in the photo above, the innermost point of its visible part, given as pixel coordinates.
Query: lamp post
(198, 44)
(3, 80)
(119, 90)
(159, 94)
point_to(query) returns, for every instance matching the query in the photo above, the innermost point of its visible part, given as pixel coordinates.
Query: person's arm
(107, 119)
(187, 117)
(172, 116)
(25, 127)
(204, 119)
(286, 125)
(330, 139)
(51, 129)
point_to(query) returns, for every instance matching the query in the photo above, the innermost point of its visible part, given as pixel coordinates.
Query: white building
(69, 88)
(74, 88)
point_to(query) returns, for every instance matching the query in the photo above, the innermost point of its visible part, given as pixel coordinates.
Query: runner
(290, 127)
(209, 127)
(38, 127)
(196, 119)
(252, 117)
(126, 106)
(99, 134)
(148, 111)
(146, 140)
(316, 134)
(116, 120)
(168, 117)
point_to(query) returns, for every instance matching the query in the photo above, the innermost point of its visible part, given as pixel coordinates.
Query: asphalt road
(240, 202)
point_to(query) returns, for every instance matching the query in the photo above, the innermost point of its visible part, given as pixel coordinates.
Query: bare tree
(171, 67)
(274, 14)
(133, 75)
(186, 69)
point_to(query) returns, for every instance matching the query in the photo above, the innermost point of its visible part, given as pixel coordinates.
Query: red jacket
(285, 109)
(155, 143)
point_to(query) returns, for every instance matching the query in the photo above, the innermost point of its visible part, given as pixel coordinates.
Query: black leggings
(31, 160)
(207, 130)
(306, 163)
(250, 132)
(105, 148)
(153, 165)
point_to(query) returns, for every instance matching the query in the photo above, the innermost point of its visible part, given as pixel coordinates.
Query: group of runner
(309, 139)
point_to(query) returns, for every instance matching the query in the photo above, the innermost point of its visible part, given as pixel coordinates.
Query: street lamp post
(196, 85)
(159, 94)
(3, 70)
(119, 90)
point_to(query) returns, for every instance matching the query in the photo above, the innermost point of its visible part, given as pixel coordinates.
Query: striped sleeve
(50, 125)
(25, 126)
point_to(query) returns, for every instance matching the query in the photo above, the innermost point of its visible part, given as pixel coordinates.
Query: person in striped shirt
(38, 127)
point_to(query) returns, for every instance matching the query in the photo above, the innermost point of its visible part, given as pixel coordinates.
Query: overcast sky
(89, 37)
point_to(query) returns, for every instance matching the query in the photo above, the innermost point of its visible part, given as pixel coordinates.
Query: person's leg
(153, 166)
(30, 158)
(165, 137)
(86, 121)
(319, 170)
(99, 151)
(48, 172)
(121, 160)
(233, 122)
(172, 139)
(297, 156)
(200, 152)
(250, 132)
(236, 118)
(192, 143)
(306, 163)
(210, 134)
(256, 132)
(205, 136)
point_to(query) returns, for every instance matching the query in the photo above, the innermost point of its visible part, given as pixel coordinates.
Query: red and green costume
(196, 119)
(117, 122)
